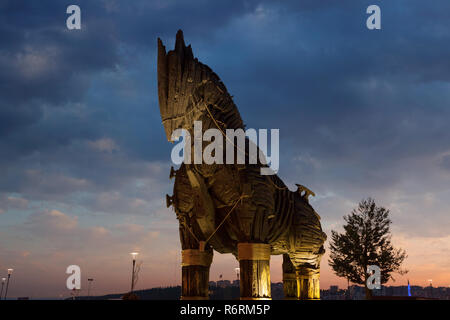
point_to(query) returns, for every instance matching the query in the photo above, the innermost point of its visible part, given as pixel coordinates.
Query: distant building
(223, 283)
(355, 292)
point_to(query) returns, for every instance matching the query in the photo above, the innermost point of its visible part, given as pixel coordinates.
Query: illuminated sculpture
(232, 208)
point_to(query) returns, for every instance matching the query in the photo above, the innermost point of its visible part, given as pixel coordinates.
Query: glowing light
(409, 290)
(134, 255)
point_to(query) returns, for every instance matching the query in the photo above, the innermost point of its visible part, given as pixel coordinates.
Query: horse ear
(179, 40)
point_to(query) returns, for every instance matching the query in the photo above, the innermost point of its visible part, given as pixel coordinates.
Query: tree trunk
(368, 293)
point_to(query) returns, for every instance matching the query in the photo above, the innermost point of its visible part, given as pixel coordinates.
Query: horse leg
(308, 285)
(289, 279)
(195, 264)
(254, 263)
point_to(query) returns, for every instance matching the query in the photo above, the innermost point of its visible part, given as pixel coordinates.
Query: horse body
(232, 208)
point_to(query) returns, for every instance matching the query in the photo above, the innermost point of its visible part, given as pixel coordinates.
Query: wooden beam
(254, 264)
(195, 274)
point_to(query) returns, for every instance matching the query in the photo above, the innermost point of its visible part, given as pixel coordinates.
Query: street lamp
(133, 254)
(89, 286)
(10, 271)
(3, 284)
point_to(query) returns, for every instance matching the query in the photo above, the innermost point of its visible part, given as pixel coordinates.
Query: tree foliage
(366, 240)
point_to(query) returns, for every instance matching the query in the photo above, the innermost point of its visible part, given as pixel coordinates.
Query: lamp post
(10, 271)
(89, 286)
(3, 284)
(133, 254)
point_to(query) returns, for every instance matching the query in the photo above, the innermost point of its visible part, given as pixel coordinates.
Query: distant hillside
(173, 293)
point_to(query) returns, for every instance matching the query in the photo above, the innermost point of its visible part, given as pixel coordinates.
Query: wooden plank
(255, 279)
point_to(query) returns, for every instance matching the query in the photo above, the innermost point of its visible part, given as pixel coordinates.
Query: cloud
(445, 162)
(69, 234)
(13, 202)
(104, 145)
(51, 222)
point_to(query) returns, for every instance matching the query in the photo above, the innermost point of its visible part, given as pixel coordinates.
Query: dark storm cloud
(347, 94)
(45, 65)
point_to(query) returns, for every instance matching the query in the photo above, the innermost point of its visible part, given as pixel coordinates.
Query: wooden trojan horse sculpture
(232, 208)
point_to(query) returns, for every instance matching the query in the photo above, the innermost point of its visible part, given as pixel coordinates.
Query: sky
(84, 162)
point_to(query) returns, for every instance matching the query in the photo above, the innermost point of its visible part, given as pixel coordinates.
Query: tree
(366, 240)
